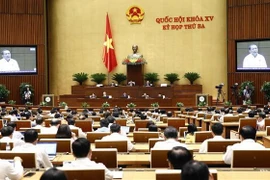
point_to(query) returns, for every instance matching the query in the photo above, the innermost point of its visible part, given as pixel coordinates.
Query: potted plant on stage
(63, 105)
(11, 102)
(228, 104)
(43, 103)
(266, 90)
(179, 105)
(171, 77)
(98, 77)
(202, 104)
(131, 106)
(4, 92)
(105, 105)
(119, 77)
(80, 77)
(155, 105)
(192, 76)
(85, 105)
(151, 77)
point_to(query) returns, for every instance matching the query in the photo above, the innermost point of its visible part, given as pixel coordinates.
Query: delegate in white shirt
(247, 144)
(7, 169)
(42, 157)
(10, 65)
(168, 144)
(87, 163)
(203, 148)
(117, 136)
(254, 62)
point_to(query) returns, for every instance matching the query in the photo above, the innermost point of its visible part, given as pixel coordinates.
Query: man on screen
(8, 64)
(254, 60)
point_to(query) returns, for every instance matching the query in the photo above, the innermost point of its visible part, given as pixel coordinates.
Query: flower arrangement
(180, 104)
(134, 61)
(43, 103)
(131, 105)
(85, 105)
(201, 104)
(228, 103)
(156, 105)
(249, 102)
(12, 102)
(62, 104)
(105, 105)
(29, 104)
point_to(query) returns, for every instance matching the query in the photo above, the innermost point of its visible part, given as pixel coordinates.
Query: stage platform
(177, 93)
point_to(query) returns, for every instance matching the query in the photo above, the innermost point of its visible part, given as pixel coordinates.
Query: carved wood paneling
(23, 23)
(247, 19)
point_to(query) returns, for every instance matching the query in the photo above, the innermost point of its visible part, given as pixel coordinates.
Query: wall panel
(23, 23)
(247, 19)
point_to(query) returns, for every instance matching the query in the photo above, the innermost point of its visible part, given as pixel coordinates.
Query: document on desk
(117, 174)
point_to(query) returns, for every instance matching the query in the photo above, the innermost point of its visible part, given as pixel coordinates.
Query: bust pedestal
(135, 73)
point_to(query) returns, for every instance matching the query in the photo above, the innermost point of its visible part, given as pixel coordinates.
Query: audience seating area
(145, 156)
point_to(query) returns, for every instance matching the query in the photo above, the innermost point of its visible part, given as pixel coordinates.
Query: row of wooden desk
(143, 159)
(144, 147)
(142, 174)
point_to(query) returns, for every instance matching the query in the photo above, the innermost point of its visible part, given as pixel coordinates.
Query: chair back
(231, 119)
(29, 158)
(82, 174)
(140, 124)
(143, 129)
(4, 144)
(247, 121)
(208, 116)
(95, 118)
(159, 158)
(200, 136)
(110, 160)
(164, 119)
(201, 115)
(63, 145)
(221, 145)
(85, 125)
(75, 131)
(1, 123)
(139, 136)
(266, 122)
(176, 122)
(173, 174)
(92, 136)
(47, 122)
(23, 124)
(251, 159)
(121, 122)
(46, 136)
(120, 145)
(267, 130)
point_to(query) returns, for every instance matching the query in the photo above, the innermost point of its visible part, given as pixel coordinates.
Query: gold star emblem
(108, 43)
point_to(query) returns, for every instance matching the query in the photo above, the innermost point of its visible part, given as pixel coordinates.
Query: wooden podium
(135, 73)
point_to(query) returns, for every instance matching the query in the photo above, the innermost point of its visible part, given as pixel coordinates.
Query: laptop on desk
(50, 148)
(125, 129)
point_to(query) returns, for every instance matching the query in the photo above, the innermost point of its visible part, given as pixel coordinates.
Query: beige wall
(77, 29)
